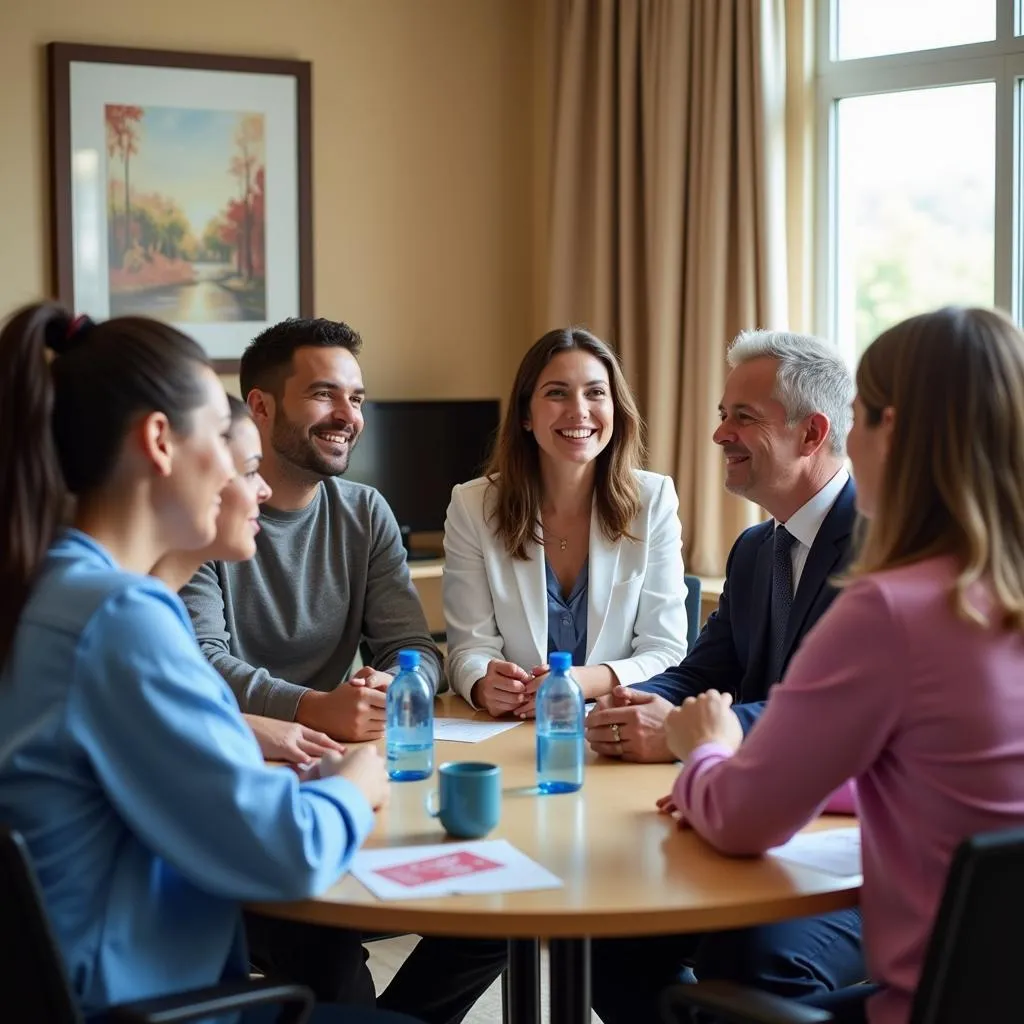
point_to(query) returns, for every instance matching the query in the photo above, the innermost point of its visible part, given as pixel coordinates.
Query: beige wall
(426, 153)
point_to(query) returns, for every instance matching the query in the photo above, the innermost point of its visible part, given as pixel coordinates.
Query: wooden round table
(626, 869)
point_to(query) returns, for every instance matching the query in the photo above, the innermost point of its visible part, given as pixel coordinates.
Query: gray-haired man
(785, 415)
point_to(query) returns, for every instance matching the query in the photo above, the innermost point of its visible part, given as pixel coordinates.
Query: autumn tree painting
(186, 213)
(123, 143)
(245, 166)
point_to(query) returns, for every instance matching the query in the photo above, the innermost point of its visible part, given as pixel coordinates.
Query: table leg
(569, 974)
(520, 988)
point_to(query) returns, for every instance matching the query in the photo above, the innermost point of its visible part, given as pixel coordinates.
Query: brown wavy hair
(514, 470)
(953, 482)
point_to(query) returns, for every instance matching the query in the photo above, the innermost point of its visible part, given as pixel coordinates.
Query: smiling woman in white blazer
(565, 543)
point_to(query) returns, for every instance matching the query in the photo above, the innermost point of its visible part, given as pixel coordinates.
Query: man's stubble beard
(298, 449)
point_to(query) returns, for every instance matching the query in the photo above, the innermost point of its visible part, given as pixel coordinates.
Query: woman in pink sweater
(913, 683)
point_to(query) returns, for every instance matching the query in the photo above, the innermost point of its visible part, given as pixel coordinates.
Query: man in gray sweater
(284, 629)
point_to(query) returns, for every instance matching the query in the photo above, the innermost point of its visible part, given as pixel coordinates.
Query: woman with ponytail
(124, 761)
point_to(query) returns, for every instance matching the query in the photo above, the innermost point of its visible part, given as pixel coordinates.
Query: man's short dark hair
(267, 360)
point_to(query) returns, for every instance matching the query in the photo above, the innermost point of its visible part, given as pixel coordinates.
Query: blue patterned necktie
(782, 597)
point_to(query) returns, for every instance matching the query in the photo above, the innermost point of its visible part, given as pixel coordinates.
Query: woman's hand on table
(528, 709)
(290, 741)
(667, 805)
(501, 689)
(706, 718)
(594, 681)
(364, 768)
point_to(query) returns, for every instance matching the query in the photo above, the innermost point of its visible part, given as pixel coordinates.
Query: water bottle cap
(560, 661)
(408, 660)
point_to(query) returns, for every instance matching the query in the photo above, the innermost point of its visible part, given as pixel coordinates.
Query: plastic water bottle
(410, 722)
(559, 728)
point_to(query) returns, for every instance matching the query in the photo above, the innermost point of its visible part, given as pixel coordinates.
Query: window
(867, 28)
(920, 122)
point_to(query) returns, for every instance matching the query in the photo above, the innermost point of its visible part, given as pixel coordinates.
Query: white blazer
(496, 606)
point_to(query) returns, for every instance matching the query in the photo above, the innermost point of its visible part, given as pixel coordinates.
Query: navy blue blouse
(567, 616)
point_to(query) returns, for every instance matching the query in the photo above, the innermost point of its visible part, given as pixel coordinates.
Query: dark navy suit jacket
(731, 653)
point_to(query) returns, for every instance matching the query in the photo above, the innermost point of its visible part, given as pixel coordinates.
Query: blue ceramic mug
(468, 798)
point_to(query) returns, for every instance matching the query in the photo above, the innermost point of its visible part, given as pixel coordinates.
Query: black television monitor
(414, 453)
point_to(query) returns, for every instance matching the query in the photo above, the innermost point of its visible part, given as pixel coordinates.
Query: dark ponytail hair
(69, 391)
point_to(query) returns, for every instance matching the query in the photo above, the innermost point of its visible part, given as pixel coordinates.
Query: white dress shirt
(806, 521)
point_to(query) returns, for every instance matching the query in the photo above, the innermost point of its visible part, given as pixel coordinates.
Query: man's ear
(815, 433)
(261, 405)
(156, 442)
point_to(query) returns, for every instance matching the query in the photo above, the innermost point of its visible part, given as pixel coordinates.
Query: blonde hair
(953, 482)
(514, 470)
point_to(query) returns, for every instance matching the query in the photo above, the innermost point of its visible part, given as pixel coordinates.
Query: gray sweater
(291, 619)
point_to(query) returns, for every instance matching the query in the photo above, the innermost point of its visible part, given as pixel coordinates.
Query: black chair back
(970, 970)
(32, 975)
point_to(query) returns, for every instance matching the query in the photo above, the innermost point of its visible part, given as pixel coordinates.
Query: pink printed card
(434, 869)
(449, 869)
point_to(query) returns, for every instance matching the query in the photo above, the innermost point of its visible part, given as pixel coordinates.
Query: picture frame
(182, 189)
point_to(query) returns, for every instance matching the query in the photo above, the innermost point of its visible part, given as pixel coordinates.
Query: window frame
(1001, 61)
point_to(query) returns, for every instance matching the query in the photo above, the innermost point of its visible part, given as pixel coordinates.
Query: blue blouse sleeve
(171, 750)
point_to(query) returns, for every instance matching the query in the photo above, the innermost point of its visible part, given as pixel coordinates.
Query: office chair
(970, 967)
(692, 610)
(34, 984)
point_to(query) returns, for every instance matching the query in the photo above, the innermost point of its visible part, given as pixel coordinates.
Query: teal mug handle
(433, 798)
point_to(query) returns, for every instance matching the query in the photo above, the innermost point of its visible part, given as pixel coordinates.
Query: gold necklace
(563, 542)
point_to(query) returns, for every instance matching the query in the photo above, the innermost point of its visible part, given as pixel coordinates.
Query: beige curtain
(671, 203)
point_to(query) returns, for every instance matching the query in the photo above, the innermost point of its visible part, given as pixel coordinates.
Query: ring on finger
(617, 733)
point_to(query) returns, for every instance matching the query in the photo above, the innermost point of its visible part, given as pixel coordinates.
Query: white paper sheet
(458, 730)
(836, 851)
(448, 869)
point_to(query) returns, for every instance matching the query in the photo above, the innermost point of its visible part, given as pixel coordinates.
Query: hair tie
(80, 323)
(64, 335)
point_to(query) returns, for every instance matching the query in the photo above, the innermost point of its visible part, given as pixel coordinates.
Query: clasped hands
(507, 688)
(357, 715)
(354, 711)
(637, 726)
(629, 724)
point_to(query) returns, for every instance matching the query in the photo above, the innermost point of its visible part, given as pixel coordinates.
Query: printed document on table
(458, 730)
(836, 851)
(449, 869)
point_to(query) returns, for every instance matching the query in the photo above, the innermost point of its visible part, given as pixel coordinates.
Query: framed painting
(182, 190)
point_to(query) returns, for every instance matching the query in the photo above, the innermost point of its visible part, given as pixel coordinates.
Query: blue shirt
(141, 791)
(567, 616)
